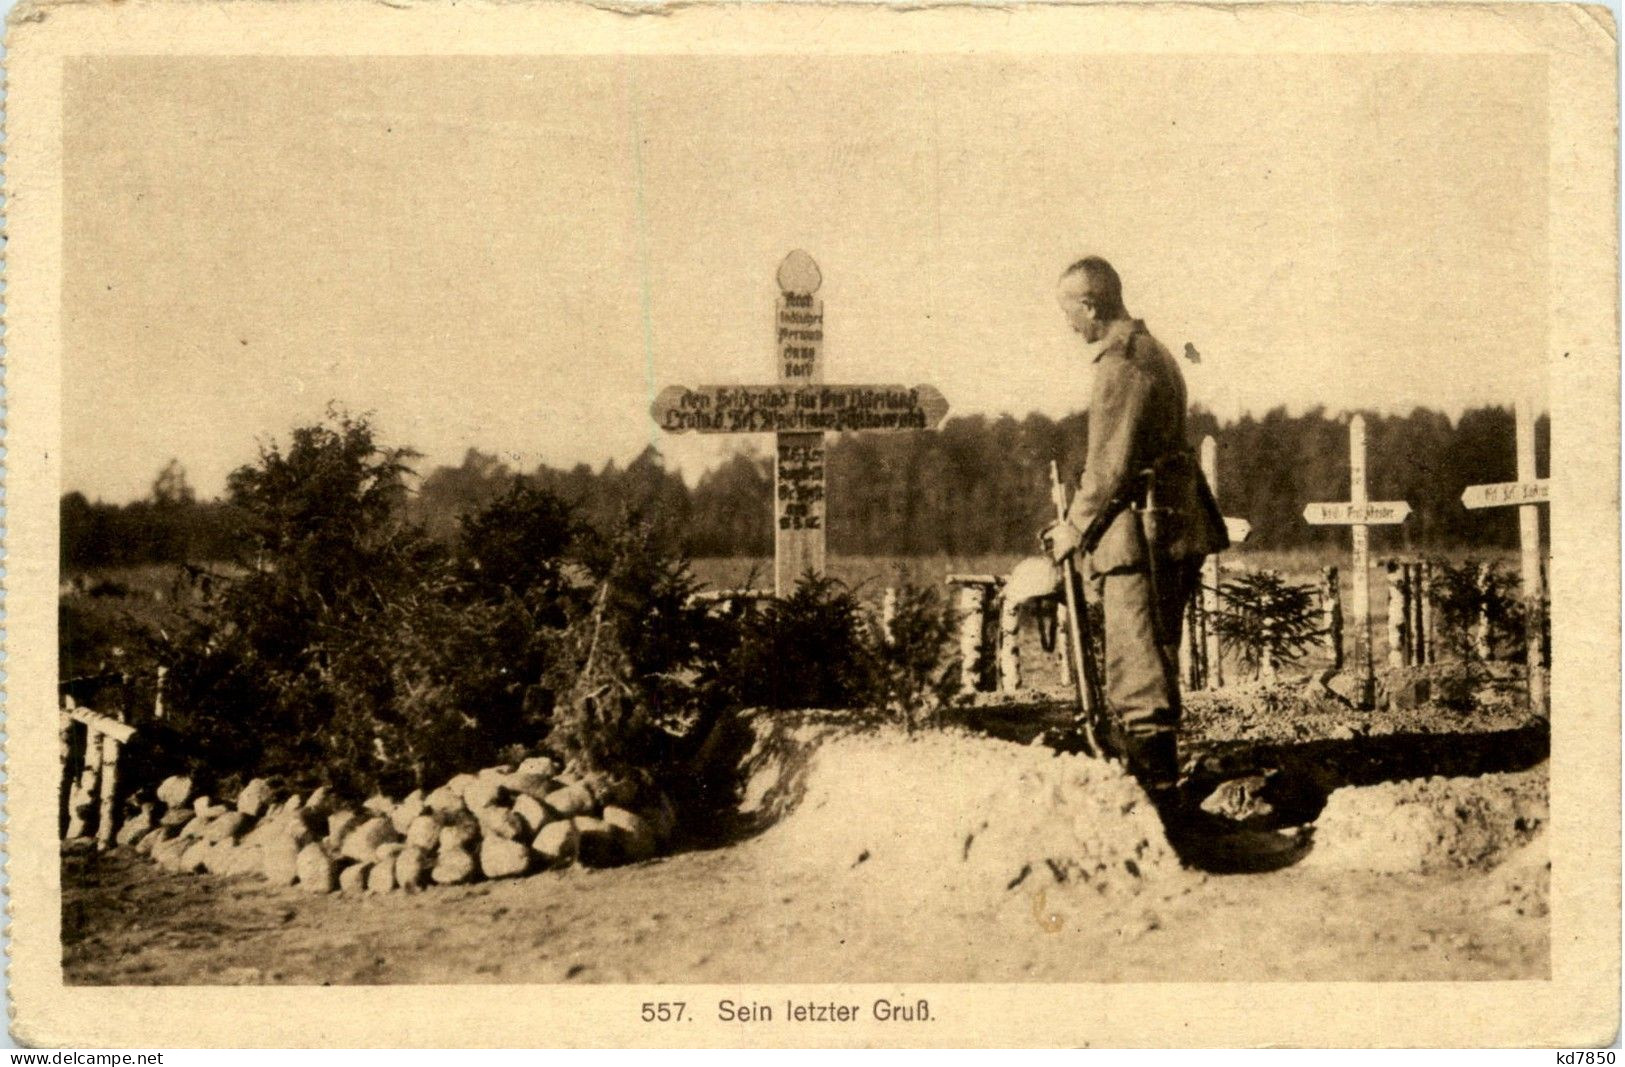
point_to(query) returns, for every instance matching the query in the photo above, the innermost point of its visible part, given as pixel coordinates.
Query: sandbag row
(502, 822)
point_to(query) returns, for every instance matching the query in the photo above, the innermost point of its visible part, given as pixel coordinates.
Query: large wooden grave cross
(1360, 513)
(1527, 493)
(800, 409)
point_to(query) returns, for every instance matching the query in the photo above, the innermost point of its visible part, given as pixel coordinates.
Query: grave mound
(952, 812)
(1429, 825)
(989, 821)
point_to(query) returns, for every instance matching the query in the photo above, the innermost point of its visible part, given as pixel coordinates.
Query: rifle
(1085, 672)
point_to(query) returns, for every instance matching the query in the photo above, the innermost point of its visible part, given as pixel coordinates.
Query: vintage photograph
(880, 519)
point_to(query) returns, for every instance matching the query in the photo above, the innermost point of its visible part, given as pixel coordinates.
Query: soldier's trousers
(1142, 682)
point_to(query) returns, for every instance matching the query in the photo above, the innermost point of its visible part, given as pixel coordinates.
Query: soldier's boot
(1202, 840)
(1113, 744)
(1153, 759)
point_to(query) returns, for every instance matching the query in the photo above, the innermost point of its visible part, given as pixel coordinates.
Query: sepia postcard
(812, 524)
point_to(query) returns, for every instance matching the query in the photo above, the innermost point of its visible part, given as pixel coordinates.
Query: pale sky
(515, 254)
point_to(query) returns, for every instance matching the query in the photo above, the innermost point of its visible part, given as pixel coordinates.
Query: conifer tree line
(977, 486)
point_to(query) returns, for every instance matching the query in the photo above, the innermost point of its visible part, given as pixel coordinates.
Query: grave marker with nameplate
(800, 410)
(1525, 494)
(1360, 514)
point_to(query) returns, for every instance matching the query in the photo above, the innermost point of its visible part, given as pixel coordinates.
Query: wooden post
(1362, 565)
(972, 599)
(106, 815)
(1430, 619)
(1529, 555)
(1397, 610)
(1187, 661)
(976, 596)
(1200, 627)
(1206, 630)
(64, 737)
(158, 694)
(1481, 632)
(83, 797)
(1407, 633)
(1063, 647)
(1009, 645)
(1407, 636)
(1191, 641)
(1212, 656)
(1418, 623)
(888, 613)
(1331, 614)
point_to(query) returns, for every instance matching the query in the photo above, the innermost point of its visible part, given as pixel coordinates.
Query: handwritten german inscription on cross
(800, 410)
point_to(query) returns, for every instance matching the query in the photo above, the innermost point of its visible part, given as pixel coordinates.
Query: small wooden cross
(1361, 514)
(1527, 493)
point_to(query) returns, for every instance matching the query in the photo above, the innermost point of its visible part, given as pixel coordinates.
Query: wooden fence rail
(99, 737)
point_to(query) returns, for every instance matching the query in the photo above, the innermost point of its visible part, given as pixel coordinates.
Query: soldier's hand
(1061, 539)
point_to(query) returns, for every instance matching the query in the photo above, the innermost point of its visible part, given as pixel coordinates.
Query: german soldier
(1142, 520)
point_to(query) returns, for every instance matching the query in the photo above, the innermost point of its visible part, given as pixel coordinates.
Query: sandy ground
(913, 882)
(729, 915)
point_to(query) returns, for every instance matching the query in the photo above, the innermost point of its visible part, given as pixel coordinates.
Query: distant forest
(977, 486)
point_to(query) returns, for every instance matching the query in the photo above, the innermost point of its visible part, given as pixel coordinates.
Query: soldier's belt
(1139, 485)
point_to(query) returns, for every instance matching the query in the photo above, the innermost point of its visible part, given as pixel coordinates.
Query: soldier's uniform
(1136, 425)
